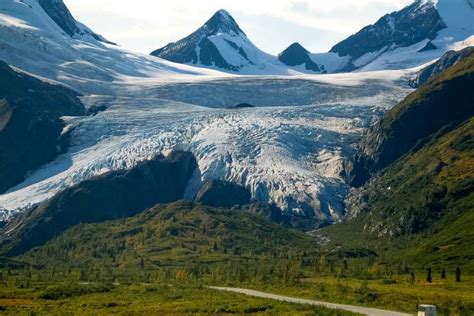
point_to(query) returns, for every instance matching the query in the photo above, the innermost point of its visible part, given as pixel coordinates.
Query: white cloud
(144, 25)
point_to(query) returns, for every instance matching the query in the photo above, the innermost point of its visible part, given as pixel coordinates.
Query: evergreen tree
(458, 274)
(413, 278)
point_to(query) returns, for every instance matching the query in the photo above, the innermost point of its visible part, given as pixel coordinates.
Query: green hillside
(420, 209)
(431, 111)
(168, 238)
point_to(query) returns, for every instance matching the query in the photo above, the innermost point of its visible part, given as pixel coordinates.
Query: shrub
(69, 290)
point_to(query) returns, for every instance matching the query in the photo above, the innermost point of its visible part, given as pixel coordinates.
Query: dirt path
(350, 308)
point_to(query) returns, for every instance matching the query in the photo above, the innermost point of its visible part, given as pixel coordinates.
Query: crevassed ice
(290, 155)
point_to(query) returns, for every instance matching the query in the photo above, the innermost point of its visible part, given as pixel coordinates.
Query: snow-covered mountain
(70, 53)
(413, 36)
(60, 14)
(221, 44)
(417, 34)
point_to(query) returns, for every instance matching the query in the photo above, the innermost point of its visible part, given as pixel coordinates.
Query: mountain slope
(449, 59)
(169, 235)
(413, 36)
(425, 189)
(409, 26)
(31, 128)
(220, 43)
(418, 209)
(112, 195)
(39, 42)
(60, 14)
(422, 115)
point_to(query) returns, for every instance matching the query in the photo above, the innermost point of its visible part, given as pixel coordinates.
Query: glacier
(289, 149)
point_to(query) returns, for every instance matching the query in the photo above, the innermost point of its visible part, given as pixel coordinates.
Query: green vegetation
(391, 291)
(150, 299)
(169, 236)
(464, 68)
(160, 260)
(419, 210)
(413, 244)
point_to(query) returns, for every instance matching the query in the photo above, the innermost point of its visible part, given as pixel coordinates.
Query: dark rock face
(296, 55)
(60, 14)
(222, 194)
(430, 112)
(30, 123)
(184, 51)
(269, 211)
(409, 26)
(110, 196)
(428, 47)
(448, 60)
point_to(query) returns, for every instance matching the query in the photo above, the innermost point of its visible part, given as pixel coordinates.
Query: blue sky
(144, 25)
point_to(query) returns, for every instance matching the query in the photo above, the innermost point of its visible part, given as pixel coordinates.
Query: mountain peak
(296, 47)
(223, 12)
(219, 43)
(296, 55)
(223, 22)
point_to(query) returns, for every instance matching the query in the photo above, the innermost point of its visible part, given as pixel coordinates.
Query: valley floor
(148, 299)
(193, 298)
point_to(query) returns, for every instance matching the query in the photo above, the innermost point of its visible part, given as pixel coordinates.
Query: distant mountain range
(417, 34)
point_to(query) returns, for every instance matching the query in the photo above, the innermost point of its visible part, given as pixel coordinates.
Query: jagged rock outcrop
(30, 123)
(110, 196)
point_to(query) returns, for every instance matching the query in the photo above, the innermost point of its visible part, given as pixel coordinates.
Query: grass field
(144, 299)
(394, 293)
